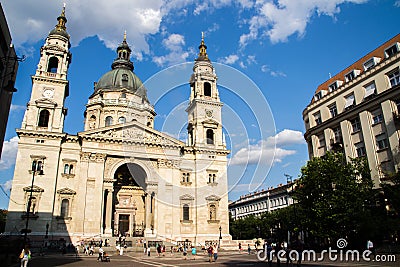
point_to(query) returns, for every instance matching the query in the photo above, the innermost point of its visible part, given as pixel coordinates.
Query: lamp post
(289, 181)
(37, 166)
(47, 231)
(220, 237)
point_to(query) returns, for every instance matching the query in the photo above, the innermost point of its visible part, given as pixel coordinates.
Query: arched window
(186, 212)
(121, 120)
(109, 120)
(210, 136)
(213, 212)
(207, 89)
(92, 122)
(71, 169)
(66, 169)
(33, 205)
(53, 65)
(64, 208)
(44, 118)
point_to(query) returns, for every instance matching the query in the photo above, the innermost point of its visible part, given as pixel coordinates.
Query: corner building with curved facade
(120, 176)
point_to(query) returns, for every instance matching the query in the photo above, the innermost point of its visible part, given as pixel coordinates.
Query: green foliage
(337, 197)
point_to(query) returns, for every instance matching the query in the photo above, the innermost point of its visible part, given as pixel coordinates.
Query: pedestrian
(215, 252)
(240, 247)
(194, 251)
(25, 256)
(144, 248)
(185, 252)
(163, 250)
(210, 253)
(158, 250)
(172, 250)
(91, 250)
(248, 248)
(101, 251)
(148, 251)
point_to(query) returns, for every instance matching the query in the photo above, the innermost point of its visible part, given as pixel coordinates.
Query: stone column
(147, 231)
(108, 229)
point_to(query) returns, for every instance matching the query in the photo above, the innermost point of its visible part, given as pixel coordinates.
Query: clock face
(209, 113)
(48, 93)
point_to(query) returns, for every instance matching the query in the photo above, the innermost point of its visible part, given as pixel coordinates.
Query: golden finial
(62, 20)
(203, 49)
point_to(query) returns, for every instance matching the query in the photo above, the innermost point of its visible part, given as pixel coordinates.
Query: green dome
(59, 32)
(121, 78)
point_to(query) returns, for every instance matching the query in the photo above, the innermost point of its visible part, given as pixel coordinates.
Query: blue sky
(270, 57)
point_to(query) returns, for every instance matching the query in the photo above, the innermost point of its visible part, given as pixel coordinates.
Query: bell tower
(50, 87)
(204, 111)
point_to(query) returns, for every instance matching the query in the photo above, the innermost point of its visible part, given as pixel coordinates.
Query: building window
(92, 122)
(318, 95)
(121, 120)
(356, 124)
(377, 118)
(350, 76)
(109, 120)
(124, 77)
(333, 111)
(64, 208)
(338, 134)
(321, 140)
(333, 87)
(37, 166)
(370, 90)
(68, 169)
(213, 212)
(185, 177)
(394, 78)
(212, 178)
(317, 118)
(349, 102)
(207, 89)
(381, 141)
(210, 136)
(53, 65)
(123, 95)
(44, 116)
(391, 51)
(185, 211)
(360, 150)
(369, 64)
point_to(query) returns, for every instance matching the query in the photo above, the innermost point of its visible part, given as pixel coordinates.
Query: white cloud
(397, 3)
(9, 153)
(175, 45)
(280, 19)
(274, 73)
(269, 151)
(30, 21)
(7, 185)
(17, 108)
(231, 59)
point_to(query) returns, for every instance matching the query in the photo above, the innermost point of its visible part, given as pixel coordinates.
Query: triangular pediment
(186, 197)
(66, 191)
(132, 132)
(35, 189)
(213, 198)
(46, 102)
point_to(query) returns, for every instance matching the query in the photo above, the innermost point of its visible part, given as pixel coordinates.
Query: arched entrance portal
(128, 216)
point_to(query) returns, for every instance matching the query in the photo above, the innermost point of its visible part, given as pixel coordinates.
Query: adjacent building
(263, 201)
(357, 111)
(8, 74)
(119, 176)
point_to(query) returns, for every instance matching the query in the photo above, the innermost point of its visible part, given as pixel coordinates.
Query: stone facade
(119, 176)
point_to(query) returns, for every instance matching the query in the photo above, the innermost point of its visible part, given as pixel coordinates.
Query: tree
(335, 197)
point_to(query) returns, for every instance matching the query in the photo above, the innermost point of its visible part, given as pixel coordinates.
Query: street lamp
(289, 180)
(220, 237)
(37, 167)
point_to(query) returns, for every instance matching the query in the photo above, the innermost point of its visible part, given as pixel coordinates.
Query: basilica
(119, 176)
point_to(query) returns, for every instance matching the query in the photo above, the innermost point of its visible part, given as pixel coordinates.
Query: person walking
(194, 251)
(101, 251)
(240, 247)
(185, 252)
(210, 251)
(215, 251)
(25, 256)
(248, 248)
